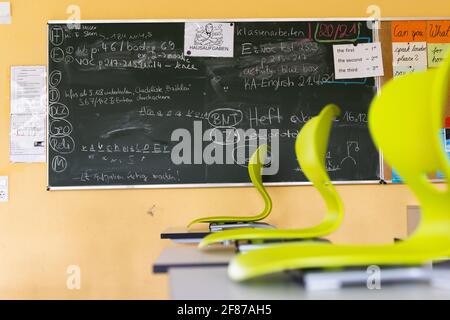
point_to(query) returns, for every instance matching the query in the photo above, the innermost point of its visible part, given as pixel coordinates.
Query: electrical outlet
(3, 189)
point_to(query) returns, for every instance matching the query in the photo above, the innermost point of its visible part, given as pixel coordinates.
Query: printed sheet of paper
(446, 134)
(208, 39)
(28, 137)
(28, 105)
(437, 52)
(402, 70)
(28, 89)
(360, 61)
(409, 53)
(5, 13)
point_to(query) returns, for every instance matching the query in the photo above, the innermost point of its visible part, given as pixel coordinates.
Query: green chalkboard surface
(119, 90)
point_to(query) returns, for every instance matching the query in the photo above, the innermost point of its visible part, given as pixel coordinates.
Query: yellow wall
(110, 234)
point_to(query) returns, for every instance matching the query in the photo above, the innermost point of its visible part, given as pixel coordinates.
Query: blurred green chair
(311, 147)
(255, 167)
(404, 121)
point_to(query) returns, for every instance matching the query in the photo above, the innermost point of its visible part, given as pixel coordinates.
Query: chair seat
(263, 234)
(292, 256)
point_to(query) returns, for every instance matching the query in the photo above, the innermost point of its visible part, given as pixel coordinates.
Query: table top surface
(213, 284)
(183, 233)
(191, 256)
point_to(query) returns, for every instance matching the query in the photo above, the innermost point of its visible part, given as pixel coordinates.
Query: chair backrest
(311, 147)
(405, 120)
(255, 168)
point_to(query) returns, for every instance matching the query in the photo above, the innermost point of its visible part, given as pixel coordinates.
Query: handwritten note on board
(409, 53)
(437, 52)
(402, 70)
(361, 61)
(409, 31)
(438, 31)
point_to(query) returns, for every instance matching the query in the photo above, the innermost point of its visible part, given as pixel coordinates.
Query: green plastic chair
(255, 167)
(404, 121)
(311, 147)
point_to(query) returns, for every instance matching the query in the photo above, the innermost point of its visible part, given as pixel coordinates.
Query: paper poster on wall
(5, 13)
(409, 31)
(28, 89)
(409, 53)
(438, 37)
(409, 47)
(28, 114)
(445, 135)
(360, 61)
(437, 52)
(438, 31)
(396, 177)
(402, 70)
(28, 137)
(208, 39)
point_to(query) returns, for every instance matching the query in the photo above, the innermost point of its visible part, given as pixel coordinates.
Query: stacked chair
(311, 146)
(255, 168)
(404, 121)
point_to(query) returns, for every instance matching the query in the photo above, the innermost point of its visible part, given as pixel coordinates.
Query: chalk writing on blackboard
(118, 92)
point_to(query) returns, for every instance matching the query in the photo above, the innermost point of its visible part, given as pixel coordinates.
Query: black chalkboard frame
(375, 35)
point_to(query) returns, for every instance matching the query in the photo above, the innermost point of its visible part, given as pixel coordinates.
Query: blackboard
(118, 90)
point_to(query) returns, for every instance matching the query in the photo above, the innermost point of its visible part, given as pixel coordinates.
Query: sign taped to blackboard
(209, 39)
